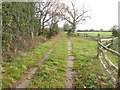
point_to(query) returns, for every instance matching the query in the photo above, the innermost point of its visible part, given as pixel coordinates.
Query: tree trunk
(73, 28)
(39, 32)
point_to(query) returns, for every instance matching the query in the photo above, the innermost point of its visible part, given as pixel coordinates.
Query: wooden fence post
(84, 34)
(112, 42)
(99, 40)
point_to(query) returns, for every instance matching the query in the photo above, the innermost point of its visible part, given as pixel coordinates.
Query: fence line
(104, 44)
(109, 49)
(108, 60)
(109, 74)
(102, 49)
(108, 39)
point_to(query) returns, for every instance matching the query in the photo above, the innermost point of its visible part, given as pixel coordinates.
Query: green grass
(15, 70)
(96, 33)
(52, 74)
(88, 68)
(102, 34)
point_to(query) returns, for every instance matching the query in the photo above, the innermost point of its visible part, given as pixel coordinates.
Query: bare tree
(57, 15)
(66, 27)
(42, 13)
(75, 16)
(48, 13)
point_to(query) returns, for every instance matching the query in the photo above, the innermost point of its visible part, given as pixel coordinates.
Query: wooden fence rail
(103, 48)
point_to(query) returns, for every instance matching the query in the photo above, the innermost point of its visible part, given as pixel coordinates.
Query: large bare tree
(49, 13)
(74, 16)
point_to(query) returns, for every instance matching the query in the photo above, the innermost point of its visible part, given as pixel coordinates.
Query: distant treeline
(91, 30)
(94, 31)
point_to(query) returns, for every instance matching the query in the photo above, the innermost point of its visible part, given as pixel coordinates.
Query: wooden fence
(104, 47)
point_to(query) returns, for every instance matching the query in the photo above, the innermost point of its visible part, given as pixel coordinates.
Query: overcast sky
(104, 13)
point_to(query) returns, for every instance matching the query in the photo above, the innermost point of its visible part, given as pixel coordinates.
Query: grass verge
(89, 73)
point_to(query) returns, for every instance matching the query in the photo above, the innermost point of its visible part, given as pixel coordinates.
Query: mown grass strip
(16, 69)
(52, 74)
(89, 73)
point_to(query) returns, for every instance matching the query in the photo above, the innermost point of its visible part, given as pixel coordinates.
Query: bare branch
(74, 16)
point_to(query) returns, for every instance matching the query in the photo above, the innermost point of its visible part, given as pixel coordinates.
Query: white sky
(104, 14)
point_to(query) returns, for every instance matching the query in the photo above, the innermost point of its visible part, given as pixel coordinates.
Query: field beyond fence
(105, 34)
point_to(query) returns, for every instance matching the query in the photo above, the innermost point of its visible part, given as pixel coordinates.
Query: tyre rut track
(29, 76)
(70, 81)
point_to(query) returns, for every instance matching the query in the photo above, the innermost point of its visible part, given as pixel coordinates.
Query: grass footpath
(16, 69)
(89, 73)
(52, 74)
